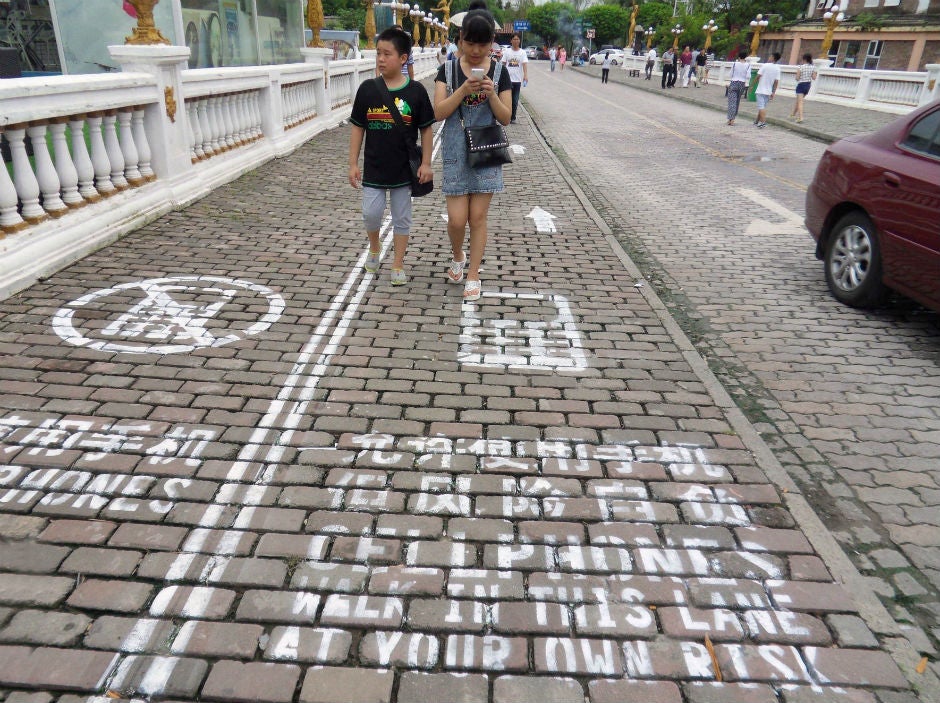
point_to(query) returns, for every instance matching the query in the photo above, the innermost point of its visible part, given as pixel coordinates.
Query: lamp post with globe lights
(415, 13)
(710, 28)
(676, 33)
(370, 23)
(758, 24)
(832, 19)
(650, 32)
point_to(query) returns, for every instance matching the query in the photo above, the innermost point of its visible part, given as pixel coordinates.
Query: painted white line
(273, 433)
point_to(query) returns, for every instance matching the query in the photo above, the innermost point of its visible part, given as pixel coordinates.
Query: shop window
(851, 54)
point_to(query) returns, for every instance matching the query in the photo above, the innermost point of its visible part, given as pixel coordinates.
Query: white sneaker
(372, 261)
(398, 277)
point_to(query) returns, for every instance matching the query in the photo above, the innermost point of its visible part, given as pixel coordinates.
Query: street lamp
(650, 32)
(709, 29)
(427, 28)
(757, 24)
(415, 13)
(676, 32)
(833, 18)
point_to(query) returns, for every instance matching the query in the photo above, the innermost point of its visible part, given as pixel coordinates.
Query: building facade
(898, 35)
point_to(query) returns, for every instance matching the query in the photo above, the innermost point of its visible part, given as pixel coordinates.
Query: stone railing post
(863, 90)
(165, 122)
(931, 90)
(272, 106)
(322, 56)
(820, 64)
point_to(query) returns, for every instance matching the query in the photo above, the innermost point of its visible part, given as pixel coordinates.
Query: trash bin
(752, 87)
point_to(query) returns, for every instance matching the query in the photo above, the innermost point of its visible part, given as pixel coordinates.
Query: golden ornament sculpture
(170, 99)
(445, 8)
(758, 25)
(146, 31)
(315, 22)
(633, 14)
(370, 23)
(832, 20)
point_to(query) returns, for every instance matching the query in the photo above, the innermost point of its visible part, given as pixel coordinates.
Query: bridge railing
(86, 159)
(887, 91)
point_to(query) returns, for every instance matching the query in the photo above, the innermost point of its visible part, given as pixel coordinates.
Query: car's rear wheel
(853, 262)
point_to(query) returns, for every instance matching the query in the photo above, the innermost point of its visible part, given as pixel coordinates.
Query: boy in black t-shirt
(385, 163)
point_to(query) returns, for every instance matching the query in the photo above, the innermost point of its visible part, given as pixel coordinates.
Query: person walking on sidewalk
(605, 68)
(562, 57)
(737, 86)
(768, 78)
(472, 91)
(698, 70)
(650, 63)
(709, 63)
(518, 65)
(686, 60)
(552, 57)
(667, 66)
(805, 75)
(385, 163)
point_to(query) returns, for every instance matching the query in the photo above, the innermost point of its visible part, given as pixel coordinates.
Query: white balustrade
(27, 187)
(82, 161)
(46, 176)
(10, 219)
(129, 148)
(64, 165)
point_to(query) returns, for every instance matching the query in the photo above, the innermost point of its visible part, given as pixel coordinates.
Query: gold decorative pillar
(370, 23)
(146, 31)
(831, 20)
(633, 14)
(315, 22)
(758, 24)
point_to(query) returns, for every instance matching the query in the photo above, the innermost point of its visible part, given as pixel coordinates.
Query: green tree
(611, 23)
(552, 21)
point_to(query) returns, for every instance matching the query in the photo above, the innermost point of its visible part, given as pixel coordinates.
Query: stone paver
(391, 496)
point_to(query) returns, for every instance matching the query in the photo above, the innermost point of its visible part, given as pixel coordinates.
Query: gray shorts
(373, 208)
(762, 101)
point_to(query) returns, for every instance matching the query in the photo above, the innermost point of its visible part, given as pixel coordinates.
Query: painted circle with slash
(172, 315)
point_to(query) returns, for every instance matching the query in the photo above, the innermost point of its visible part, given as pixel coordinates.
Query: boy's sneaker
(372, 261)
(398, 277)
(455, 270)
(761, 125)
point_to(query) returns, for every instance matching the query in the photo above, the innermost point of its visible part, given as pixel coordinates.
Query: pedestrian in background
(805, 75)
(698, 68)
(562, 57)
(768, 79)
(667, 66)
(740, 74)
(686, 60)
(650, 63)
(674, 71)
(605, 67)
(552, 56)
(464, 99)
(517, 63)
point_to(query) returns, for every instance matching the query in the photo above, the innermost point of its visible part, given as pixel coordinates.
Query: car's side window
(925, 135)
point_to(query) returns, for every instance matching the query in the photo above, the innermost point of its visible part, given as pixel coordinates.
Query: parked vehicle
(616, 57)
(874, 210)
(532, 52)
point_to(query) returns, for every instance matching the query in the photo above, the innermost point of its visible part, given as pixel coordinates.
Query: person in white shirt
(650, 62)
(737, 85)
(552, 56)
(605, 67)
(768, 78)
(517, 63)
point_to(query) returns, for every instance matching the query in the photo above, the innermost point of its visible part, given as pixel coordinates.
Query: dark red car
(874, 210)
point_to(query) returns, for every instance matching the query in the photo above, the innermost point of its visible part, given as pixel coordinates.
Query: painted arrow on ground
(543, 220)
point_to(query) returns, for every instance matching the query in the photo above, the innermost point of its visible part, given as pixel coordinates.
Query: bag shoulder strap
(393, 110)
(496, 73)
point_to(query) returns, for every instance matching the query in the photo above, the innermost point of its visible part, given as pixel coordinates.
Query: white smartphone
(477, 73)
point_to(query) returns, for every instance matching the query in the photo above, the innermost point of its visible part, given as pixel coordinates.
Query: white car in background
(616, 57)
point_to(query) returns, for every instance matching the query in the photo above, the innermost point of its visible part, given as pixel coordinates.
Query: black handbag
(415, 156)
(486, 146)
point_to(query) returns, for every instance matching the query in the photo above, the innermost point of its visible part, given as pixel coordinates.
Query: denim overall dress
(459, 178)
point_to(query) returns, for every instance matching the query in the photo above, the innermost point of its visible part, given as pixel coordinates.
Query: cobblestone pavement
(237, 468)
(846, 399)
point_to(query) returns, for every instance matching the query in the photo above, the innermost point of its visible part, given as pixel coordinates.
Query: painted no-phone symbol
(172, 315)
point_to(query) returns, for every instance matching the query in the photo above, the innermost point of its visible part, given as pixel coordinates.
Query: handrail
(91, 157)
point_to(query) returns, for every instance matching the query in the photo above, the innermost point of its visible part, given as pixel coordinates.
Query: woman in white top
(740, 75)
(605, 68)
(805, 75)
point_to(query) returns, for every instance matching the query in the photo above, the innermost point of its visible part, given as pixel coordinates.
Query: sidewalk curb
(871, 610)
(619, 76)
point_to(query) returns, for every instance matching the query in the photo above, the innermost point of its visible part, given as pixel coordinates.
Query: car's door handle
(892, 179)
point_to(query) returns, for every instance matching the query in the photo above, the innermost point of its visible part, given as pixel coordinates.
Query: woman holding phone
(477, 90)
